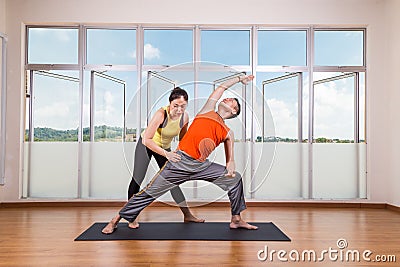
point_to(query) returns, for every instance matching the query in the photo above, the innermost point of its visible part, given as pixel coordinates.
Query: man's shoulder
(205, 113)
(212, 116)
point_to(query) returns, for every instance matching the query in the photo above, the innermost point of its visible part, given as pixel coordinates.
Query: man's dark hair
(238, 110)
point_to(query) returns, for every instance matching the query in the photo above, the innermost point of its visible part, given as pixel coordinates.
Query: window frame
(252, 67)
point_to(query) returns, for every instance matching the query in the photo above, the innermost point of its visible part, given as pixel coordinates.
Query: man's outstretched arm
(217, 93)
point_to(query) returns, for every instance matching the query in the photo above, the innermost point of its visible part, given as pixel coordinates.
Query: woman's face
(177, 107)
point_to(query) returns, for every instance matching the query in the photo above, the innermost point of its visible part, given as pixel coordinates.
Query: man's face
(232, 104)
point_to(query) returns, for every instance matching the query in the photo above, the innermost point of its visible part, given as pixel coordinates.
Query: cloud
(59, 115)
(285, 118)
(333, 111)
(151, 52)
(63, 36)
(60, 109)
(109, 111)
(105, 108)
(132, 54)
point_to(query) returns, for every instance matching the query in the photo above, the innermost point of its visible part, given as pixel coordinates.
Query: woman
(167, 123)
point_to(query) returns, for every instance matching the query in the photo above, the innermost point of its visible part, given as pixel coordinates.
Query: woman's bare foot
(192, 218)
(188, 216)
(134, 224)
(111, 226)
(237, 222)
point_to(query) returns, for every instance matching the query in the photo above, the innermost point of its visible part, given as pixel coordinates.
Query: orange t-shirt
(205, 133)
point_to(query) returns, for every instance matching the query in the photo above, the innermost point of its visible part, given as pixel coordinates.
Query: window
(279, 103)
(111, 46)
(110, 82)
(167, 47)
(282, 48)
(227, 47)
(55, 109)
(52, 46)
(339, 48)
(334, 107)
(3, 64)
(81, 111)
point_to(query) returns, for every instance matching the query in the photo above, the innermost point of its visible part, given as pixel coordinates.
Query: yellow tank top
(167, 130)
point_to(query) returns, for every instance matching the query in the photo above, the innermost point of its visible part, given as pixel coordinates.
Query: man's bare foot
(242, 224)
(133, 225)
(111, 226)
(192, 218)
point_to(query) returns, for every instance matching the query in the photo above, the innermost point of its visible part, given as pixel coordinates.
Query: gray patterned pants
(187, 169)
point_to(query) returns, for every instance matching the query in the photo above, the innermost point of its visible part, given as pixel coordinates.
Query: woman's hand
(172, 156)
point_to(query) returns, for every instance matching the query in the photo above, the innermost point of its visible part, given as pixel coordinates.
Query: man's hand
(246, 78)
(230, 167)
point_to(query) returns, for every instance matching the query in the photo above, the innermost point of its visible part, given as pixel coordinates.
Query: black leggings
(141, 163)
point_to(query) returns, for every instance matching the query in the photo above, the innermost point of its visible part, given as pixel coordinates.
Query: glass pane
(52, 46)
(282, 48)
(157, 87)
(1, 60)
(106, 169)
(337, 171)
(276, 111)
(211, 80)
(339, 48)
(52, 170)
(334, 121)
(280, 90)
(362, 108)
(130, 79)
(333, 108)
(226, 47)
(262, 115)
(27, 104)
(56, 105)
(109, 46)
(109, 108)
(168, 47)
(279, 171)
(306, 107)
(1, 77)
(108, 156)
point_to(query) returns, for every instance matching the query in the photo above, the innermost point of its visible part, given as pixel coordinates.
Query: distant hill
(101, 133)
(109, 133)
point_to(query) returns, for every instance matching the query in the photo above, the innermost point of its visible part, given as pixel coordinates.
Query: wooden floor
(40, 236)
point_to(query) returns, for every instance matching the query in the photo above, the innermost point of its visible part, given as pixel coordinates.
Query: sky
(56, 102)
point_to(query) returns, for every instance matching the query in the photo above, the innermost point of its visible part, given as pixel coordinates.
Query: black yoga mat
(218, 231)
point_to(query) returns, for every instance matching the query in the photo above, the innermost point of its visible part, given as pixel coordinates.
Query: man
(206, 132)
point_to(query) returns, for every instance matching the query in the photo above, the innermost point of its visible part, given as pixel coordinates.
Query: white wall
(2, 15)
(3, 31)
(393, 86)
(370, 13)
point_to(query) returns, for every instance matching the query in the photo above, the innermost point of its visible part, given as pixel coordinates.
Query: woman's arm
(148, 135)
